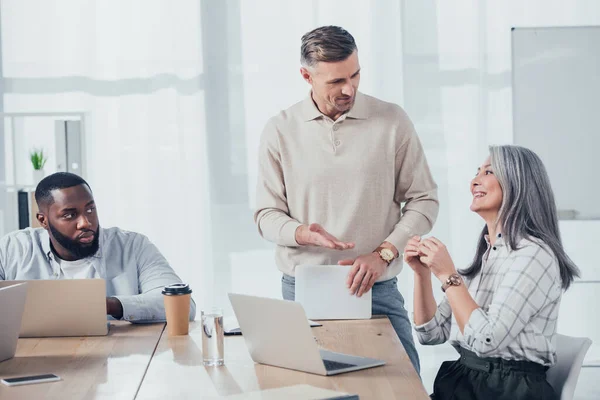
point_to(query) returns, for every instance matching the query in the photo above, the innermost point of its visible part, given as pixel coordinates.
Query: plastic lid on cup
(177, 289)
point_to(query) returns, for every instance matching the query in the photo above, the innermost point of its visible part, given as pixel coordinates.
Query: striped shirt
(518, 293)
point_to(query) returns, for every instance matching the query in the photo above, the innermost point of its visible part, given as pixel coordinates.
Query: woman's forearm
(462, 305)
(424, 302)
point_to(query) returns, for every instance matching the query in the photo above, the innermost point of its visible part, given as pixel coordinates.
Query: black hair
(59, 180)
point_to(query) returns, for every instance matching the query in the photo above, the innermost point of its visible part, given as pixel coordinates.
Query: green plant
(37, 158)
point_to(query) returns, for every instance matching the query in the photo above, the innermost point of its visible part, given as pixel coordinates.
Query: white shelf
(16, 188)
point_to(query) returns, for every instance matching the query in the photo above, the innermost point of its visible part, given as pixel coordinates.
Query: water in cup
(212, 337)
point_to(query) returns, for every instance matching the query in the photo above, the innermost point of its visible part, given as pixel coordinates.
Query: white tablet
(322, 291)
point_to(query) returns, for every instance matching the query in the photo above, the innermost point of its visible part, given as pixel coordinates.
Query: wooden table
(176, 370)
(110, 367)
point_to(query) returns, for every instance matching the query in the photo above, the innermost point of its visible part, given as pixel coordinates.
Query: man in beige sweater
(343, 179)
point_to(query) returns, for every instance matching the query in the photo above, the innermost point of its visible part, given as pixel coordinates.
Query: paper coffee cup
(177, 299)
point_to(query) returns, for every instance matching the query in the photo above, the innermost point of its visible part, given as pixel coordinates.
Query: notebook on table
(266, 321)
(12, 299)
(65, 307)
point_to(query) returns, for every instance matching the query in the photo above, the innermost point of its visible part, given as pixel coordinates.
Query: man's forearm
(412, 223)
(114, 307)
(277, 227)
(148, 307)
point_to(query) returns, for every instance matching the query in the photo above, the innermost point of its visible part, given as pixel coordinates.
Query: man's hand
(114, 307)
(315, 235)
(365, 271)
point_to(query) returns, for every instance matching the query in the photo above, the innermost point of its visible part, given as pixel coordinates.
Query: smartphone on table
(27, 380)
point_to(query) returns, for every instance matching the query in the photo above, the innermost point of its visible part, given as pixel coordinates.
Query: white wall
(177, 100)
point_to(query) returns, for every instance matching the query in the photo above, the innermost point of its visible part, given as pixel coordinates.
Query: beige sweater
(363, 177)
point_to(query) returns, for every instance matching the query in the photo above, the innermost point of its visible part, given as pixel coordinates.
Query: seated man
(71, 245)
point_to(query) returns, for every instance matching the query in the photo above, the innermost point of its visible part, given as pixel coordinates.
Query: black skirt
(472, 377)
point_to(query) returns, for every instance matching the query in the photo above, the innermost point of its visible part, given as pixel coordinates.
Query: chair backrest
(570, 352)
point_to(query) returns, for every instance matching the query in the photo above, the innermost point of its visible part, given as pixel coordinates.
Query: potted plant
(38, 160)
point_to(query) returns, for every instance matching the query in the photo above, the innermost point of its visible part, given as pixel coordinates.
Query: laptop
(66, 307)
(322, 291)
(277, 333)
(12, 299)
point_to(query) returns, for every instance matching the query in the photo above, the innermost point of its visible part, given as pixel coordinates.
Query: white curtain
(136, 69)
(177, 94)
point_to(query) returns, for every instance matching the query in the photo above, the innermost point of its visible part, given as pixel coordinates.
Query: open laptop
(322, 291)
(277, 333)
(12, 299)
(66, 307)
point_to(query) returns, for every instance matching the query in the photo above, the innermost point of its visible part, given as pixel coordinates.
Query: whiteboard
(556, 110)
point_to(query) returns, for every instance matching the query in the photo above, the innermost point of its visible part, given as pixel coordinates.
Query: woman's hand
(411, 257)
(435, 256)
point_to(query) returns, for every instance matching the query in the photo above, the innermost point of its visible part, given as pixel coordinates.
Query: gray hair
(528, 208)
(327, 44)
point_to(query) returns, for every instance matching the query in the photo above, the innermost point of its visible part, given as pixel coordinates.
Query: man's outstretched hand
(316, 235)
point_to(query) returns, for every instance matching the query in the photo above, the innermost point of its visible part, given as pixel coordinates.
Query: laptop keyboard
(334, 365)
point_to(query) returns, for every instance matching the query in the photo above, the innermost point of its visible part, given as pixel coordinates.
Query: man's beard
(79, 250)
(344, 108)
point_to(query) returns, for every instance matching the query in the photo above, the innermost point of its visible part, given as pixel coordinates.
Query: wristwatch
(386, 254)
(453, 280)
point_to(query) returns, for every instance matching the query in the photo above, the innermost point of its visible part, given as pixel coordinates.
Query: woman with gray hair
(500, 313)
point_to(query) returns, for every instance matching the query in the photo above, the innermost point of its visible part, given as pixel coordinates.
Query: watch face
(387, 254)
(453, 280)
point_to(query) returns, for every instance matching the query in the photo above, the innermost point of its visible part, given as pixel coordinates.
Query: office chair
(570, 352)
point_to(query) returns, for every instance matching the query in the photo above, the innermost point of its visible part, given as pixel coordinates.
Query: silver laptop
(12, 299)
(277, 333)
(65, 307)
(322, 291)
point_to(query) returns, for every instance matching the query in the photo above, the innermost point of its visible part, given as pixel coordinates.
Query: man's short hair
(326, 44)
(59, 180)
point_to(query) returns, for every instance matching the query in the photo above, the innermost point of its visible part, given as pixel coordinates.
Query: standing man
(334, 173)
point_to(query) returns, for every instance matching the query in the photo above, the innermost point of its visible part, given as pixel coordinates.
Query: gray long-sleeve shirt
(134, 270)
(363, 177)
